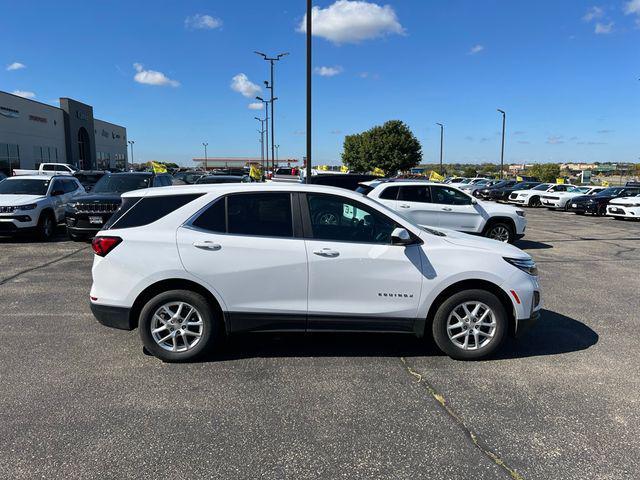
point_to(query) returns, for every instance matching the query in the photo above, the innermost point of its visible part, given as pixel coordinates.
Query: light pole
(271, 61)
(130, 142)
(309, 72)
(262, 121)
(266, 119)
(441, 142)
(504, 123)
(206, 160)
(277, 153)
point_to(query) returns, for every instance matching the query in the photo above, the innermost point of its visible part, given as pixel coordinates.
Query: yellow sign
(158, 167)
(323, 168)
(435, 177)
(605, 183)
(255, 172)
(378, 172)
(344, 169)
(518, 179)
(560, 180)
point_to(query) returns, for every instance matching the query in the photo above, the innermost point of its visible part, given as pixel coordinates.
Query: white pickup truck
(48, 169)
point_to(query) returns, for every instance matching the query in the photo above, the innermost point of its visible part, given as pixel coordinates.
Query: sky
(180, 73)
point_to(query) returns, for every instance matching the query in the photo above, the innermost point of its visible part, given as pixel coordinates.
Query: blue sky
(567, 73)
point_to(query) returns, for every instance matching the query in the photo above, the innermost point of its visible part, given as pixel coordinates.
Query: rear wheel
(470, 325)
(178, 325)
(46, 226)
(500, 231)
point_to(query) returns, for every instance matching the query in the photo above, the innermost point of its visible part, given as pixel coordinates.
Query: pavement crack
(51, 262)
(457, 418)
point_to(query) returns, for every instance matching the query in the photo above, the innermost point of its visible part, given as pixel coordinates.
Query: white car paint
(280, 277)
(471, 218)
(528, 197)
(48, 169)
(624, 207)
(32, 206)
(560, 200)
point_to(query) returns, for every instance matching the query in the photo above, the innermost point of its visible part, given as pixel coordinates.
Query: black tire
(535, 202)
(496, 230)
(445, 309)
(210, 326)
(46, 226)
(601, 210)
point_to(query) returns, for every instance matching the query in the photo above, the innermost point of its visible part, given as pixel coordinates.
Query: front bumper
(86, 222)
(622, 211)
(582, 207)
(18, 221)
(114, 317)
(551, 203)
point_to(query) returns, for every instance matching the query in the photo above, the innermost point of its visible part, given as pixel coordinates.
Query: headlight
(72, 204)
(527, 265)
(520, 213)
(31, 206)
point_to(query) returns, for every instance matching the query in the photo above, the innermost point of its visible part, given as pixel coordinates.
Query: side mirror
(56, 193)
(400, 236)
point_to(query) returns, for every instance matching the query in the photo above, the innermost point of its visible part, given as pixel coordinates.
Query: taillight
(103, 245)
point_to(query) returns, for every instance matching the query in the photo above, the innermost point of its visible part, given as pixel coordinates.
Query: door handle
(208, 246)
(447, 209)
(326, 252)
(404, 205)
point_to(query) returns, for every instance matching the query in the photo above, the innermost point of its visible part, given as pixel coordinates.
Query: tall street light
(265, 103)
(309, 73)
(262, 121)
(504, 123)
(271, 61)
(130, 142)
(206, 160)
(441, 142)
(277, 153)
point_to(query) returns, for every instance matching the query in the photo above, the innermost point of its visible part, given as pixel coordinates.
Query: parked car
(286, 174)
(188, 265)
(88, 178)
(597, 204)
(350, 181)
(624, 207)
(472, 187)
(438, 205)
(561, 200)
(484, 192)
(224, 179)
(2, 176)
(48, 169)
(36, 203)
(467, 181)
(188, 177)
(87, 213)
(502, 194)
(532, 197)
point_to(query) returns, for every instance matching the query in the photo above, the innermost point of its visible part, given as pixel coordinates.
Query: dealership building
(32, 132)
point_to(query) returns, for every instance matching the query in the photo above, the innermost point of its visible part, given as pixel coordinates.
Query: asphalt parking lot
(82, 401)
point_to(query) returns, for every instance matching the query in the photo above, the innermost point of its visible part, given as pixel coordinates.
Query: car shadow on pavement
(553, 334)
(531, 245)
(25, 238)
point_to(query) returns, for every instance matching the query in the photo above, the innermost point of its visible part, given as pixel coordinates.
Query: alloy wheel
(471, 325)
(177, 326)
(500, 233)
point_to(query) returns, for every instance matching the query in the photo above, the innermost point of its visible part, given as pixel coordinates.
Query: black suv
(86, 215)
(503, 193)
(486, 191)
(597, 204)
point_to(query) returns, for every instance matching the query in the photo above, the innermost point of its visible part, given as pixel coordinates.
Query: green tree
(545, 172)
(390, 147)
(469, 172)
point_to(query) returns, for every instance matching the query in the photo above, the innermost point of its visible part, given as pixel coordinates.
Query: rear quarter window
(136, 212)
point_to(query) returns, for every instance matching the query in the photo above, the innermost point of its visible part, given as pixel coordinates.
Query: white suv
(438, 205)
(189, 264)
(36, 202)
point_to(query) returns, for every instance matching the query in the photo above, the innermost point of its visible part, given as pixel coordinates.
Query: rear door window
(390, 193)
(263, 214)
(416, 193)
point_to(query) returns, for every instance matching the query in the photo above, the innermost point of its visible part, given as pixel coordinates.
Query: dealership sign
(9, 112)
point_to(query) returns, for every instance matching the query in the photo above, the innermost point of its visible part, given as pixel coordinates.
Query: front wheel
(535, 202)
(470, 325)
(500, 231)
(177, 325)
(46, 226)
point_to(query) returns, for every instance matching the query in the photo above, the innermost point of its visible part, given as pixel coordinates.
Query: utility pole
(131, 142)
(309, 72)
(277, 153)
(441, 142)
(206, 160)
(504, 124)
(270, 86)
(266, 119)
(262, 121)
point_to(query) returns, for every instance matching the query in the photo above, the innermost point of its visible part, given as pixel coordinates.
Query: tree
(469, 172)
(390, 147)
(545, 172)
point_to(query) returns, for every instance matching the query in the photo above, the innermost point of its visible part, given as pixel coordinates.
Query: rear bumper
(114, 317)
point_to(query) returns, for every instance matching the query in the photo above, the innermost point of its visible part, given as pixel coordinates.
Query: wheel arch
(472, 284)
(173, 284)
(499, 219)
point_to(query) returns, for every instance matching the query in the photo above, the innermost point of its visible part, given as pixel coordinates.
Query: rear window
(136, 212)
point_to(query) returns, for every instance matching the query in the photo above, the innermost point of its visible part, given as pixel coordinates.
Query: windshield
(580, 189)
(24, 186)
(608, 192)
(121, 183)
(544, 186)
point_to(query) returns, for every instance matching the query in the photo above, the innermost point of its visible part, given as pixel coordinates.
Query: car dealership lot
(81, 400)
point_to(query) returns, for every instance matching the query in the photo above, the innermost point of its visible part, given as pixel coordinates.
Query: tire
(445, 318)
(46, 226)
(172, 336)
(535, 202)
(500, 231)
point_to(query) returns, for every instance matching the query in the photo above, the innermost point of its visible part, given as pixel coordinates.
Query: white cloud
(632, 7)
(352, 21)
(241, 84)
(476, 49)
(593, 13)
(328, 71)
(555, 140)
(151, 77)
(24, 94)
(604, 28)
(202, 22)
(256, 106)
(15, 66)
